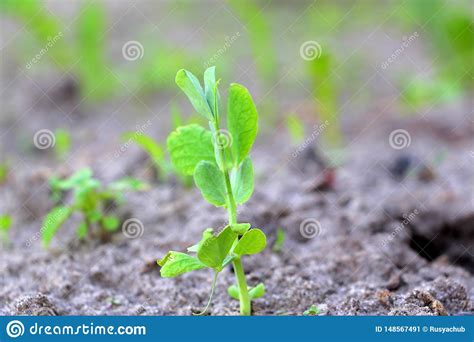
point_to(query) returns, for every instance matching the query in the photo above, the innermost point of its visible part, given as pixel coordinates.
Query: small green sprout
(312, 311)
(5, 225)
(63, 143)
(295, 128)
(91, 199)
(154, 150)
(3, 172)
(218, 159)
(280, 240)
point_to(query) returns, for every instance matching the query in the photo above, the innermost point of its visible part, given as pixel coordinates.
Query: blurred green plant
(218, 159)
(91, 199)
(449, 27)
(326, 92)
(95, 78)
(5, 225)
(261, 40)
(154, 150)
(4, 169)
(280, 240)
(295, 127)
(63, 143)
(42, 25)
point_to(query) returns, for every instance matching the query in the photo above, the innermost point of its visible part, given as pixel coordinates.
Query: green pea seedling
(90, 198)
(313, 310)
(218, 159)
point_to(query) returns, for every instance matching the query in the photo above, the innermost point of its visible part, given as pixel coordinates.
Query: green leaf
(53, 222)
(280, 240)
(147, 143)
(210, 89)
(78, 178)
(214, 249)
(257, 291)
(210, 180)
(63, 143)
(240, 228)
(254, 292)
(190, 85)
(242, 121)
(128, 184)
(233, 292)
(81, 231)
(313, 310)
(208, 232)
(188, 145)
(242, 181)
(176, 263)
(253, 242)
(110, 223)
(5, 222)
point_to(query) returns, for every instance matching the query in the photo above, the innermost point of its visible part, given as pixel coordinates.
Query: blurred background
(109, 65)
(366, 132)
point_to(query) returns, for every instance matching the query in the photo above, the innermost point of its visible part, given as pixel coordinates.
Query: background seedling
(218, 159)
(63, 143)
(3, 172)
(5, 225)
(91, 199)
(280, 240)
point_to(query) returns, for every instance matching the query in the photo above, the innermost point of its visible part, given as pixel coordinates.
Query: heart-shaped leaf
(253, 242)
(188, 145)
(213, 251)
(176, 263)
(210, 180)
